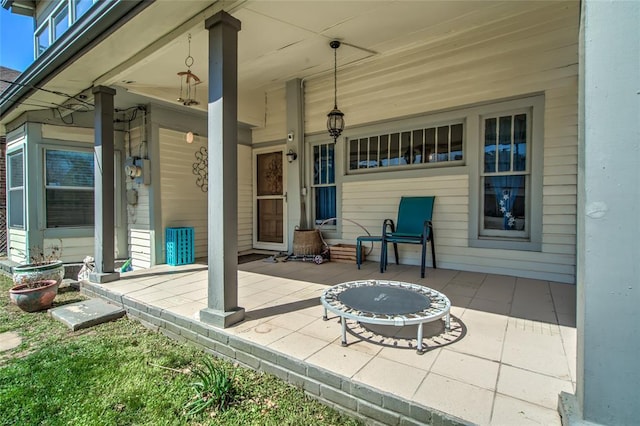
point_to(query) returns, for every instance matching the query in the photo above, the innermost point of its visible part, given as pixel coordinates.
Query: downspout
(302, 167)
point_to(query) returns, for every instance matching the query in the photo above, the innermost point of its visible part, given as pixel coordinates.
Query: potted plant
(36, 283)
(34, 296)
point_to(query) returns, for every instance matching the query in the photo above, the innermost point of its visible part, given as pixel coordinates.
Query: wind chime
(188, 82)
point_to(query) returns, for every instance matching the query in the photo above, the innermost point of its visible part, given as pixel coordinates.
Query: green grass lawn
(120, 373)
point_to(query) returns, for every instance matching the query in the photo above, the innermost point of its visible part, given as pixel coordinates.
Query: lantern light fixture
(291, 156)
(188, 81)
(335, 119)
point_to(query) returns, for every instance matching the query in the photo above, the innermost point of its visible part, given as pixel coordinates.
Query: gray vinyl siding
(141, 238)
(184, 204)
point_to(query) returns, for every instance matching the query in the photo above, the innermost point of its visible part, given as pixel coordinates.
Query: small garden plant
(214, 389)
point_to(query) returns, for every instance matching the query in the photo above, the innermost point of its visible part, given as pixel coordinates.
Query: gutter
(102, 20)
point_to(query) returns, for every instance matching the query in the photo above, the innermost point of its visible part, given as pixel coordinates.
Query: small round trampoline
(386, 303)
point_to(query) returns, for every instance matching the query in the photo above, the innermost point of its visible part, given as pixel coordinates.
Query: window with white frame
(80, 7)
(15, 189)
(60, 19)
(441, 144)
(43, 38)
(324, 183)
(65, 14)
(505, 175)
(69, 188)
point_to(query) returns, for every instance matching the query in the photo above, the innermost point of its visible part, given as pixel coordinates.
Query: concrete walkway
(510, 352)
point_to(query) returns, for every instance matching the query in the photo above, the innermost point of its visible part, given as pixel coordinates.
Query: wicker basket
(307, 242)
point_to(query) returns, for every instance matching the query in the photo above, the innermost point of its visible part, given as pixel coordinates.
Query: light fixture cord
(335, 78)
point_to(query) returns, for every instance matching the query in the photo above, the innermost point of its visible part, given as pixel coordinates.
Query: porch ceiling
(279, 40)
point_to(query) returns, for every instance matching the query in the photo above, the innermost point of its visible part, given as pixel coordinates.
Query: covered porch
(510, 352)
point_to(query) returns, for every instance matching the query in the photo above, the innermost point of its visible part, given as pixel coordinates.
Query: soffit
(279, 40)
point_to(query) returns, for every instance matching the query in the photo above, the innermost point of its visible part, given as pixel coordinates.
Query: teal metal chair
(412, 227)
(367, 239)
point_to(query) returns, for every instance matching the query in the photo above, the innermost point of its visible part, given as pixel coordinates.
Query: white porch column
(608, 275)
(223, 310)
(103, 186)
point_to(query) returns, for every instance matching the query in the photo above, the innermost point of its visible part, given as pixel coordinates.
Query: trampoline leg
(447, 322)
(324, 317)
(343, 320)
(420, 338)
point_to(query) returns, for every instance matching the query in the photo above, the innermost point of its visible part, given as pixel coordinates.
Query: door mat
(245, 258)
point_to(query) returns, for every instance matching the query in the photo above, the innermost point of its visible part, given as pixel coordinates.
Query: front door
(269, 207)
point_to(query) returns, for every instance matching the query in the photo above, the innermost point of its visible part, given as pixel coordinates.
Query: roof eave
(20, 7)
(100, 22)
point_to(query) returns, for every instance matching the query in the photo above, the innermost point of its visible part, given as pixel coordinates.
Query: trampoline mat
(384, 300)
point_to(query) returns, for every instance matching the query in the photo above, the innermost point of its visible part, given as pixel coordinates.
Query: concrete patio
(511, 350)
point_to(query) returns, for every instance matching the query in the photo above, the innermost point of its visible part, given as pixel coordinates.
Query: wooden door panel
(270, 224)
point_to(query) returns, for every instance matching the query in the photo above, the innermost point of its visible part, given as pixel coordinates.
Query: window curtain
(506, 189)
(325, 203)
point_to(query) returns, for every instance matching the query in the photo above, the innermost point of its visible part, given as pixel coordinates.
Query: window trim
(65, 148)
(56, 12)
(535, 104)
(327, 227)
(526, 173)
(329, 231)
(20, 151)
(409, 125)
(36, 35)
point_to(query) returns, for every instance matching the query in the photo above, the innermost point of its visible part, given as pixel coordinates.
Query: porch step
(86, 313)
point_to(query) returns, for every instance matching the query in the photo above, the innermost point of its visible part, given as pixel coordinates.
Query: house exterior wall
(245, 199)
(141, 239)
(479, 67)
(184, 203)
(3, 196)
(74, 242)
(17, 241)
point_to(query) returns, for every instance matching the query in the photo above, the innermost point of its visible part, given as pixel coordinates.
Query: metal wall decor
(201, 168)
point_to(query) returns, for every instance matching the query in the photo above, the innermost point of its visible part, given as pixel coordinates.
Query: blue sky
(16, 40)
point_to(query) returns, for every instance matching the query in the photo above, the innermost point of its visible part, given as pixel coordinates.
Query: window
(42, 39)
(69, 183)
(81, 7)
(439, 144)
(15, 188)
(58, 21)
(324, 182)
(505, 176)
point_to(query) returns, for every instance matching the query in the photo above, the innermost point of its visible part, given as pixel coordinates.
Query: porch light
(188, 82)
(291, 156)
(335, 120)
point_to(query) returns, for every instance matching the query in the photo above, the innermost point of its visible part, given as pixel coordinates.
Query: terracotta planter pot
(35, 296)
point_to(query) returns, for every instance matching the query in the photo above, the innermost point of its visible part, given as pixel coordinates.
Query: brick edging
(358, 400)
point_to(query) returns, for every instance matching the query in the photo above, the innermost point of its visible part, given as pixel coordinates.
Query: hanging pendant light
(335, 120)
(188, 82)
